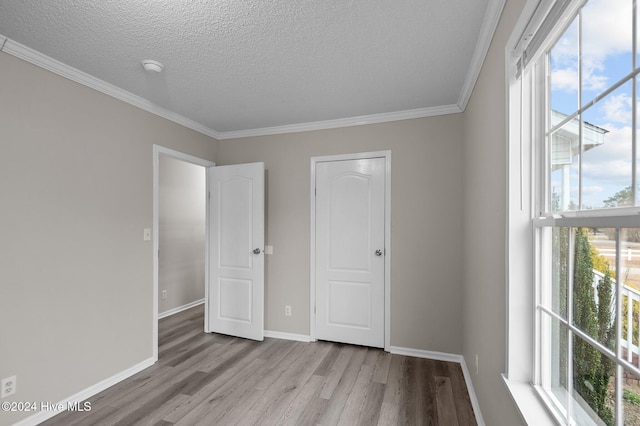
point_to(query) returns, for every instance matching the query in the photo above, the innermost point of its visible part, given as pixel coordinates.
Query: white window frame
(526, 198)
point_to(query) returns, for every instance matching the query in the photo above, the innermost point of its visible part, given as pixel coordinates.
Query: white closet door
(350, 251)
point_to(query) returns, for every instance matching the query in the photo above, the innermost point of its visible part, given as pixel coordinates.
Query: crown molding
(488, 29)
(489, 25)
(343, 122)
(43, 61)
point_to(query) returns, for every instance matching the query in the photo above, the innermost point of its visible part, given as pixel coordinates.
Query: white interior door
(235, 282)
(350, 251)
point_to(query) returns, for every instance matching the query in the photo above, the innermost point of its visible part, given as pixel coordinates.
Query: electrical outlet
(8, 386)
(287, 310)
(163, 294)
(477, 370)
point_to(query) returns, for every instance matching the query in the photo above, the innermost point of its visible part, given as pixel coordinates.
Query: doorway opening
(172, 169)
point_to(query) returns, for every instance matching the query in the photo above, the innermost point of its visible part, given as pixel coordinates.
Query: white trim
(528, 402)
(472, 393)
(180, 309)
(343, 122)
(312, 254)
(387, 264)
(157, 152)
(207, 249)
(387, 237)
(43, 61)
(421, 353)
(87, 393)
(519, 256)
(488, 29)
(168, 152)
(287, 336)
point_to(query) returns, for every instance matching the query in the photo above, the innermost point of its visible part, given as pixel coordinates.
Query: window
(578, 93)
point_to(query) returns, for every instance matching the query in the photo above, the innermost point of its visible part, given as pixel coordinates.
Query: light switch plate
(268, 249)
(147, 234)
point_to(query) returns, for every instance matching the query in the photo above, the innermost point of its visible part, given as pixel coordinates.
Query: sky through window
(604, 58)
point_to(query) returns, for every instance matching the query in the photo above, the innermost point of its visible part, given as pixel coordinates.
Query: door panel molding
(387, 237)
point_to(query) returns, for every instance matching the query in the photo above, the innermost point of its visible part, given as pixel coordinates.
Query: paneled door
(235, 281)
(350, 250)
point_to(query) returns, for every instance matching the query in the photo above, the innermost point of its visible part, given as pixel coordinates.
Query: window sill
(531, 408)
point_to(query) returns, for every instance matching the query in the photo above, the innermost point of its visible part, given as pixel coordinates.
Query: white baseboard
(287, 336)
(419, 353)
(472, 393)
(443, 356)
(180, 309)
(85, 394)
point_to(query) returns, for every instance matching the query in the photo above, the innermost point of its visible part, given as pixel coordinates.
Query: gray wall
(485, 218)
(76, 277)
(426, 213)
(182, 222)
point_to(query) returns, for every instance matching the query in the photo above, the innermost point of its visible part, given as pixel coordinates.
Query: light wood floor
(209, 379)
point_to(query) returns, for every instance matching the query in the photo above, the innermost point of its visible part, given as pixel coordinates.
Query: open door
(235, 272)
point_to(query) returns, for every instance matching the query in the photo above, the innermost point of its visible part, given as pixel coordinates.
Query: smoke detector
(150, 65)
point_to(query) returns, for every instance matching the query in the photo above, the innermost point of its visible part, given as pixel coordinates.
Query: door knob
(256, 251)
(378, 252)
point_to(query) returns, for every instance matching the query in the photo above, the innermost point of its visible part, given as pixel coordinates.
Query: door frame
(387, 238)
(165, 152)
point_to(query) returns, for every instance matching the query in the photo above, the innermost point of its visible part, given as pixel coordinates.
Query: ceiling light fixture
(150, 65)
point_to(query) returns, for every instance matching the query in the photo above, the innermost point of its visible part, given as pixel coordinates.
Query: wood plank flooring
(210, 379)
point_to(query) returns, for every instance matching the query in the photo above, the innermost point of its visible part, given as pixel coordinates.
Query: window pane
(630, 260)
(630, 307)
(554, 375)
(593, 385)
(631, 397)
(585, 62)
(606, 54)
(630, 276)
(564, 169)
(560, 270)
(593, 289)
(607, 151)
(563, 63)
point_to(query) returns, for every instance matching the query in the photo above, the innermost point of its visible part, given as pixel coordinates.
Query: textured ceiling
(238, 65)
